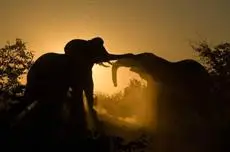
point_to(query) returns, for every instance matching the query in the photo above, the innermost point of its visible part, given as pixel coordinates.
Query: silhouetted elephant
(184, 120)
(53, 74)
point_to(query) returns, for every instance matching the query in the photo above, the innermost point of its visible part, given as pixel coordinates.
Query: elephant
(184, 105)
(53, 74)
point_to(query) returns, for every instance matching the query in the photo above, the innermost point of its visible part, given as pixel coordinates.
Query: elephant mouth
(107, 58)
(104, 65)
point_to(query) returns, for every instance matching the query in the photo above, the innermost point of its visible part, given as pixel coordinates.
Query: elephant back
(49, 75)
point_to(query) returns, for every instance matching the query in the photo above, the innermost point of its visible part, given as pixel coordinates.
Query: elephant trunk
(123, 60)
(108, 57)
(119, 56)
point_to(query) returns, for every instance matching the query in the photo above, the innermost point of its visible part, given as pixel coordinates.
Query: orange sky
(164, 27)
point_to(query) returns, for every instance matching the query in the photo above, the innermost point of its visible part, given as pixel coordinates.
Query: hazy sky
(164, 27)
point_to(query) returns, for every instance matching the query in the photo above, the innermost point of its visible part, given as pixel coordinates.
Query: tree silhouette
(217, 61)
(15, 60)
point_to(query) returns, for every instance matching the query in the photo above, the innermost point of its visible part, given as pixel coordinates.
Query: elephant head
(92, 50)
(143, 64)
(134, 66)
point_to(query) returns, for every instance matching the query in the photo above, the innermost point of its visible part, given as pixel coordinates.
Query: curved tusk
(110, 62)
(102, 64)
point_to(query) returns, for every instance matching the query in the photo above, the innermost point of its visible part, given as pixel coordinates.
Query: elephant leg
(92, 111)
(77, 113)
(96, 128)
(48, 120)
(88, 89)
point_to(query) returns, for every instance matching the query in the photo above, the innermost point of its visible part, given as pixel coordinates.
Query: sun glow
(103, 79)
(142, 104)
(136, 110)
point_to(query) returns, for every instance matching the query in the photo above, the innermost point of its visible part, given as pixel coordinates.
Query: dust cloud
(130, 112)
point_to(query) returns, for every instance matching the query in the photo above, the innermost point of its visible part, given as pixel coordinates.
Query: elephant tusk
(102, 64)
(110, 62)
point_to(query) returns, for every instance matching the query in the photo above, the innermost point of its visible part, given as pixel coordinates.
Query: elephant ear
(97, 49)
(76, 47)
(97, 41)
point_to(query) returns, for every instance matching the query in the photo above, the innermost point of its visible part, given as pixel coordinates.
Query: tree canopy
(217, 61)
(15, 60)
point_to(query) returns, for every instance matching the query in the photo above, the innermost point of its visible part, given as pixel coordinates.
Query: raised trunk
(108, 57)
(119, 56)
